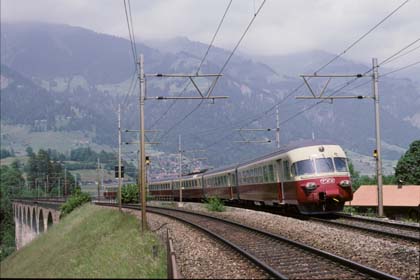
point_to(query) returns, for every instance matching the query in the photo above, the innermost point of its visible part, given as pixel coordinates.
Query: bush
(349, 210)
(214, 204)
(130, 194)
(76, 199)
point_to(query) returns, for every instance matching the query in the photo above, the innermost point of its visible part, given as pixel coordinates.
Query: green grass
(91, 242)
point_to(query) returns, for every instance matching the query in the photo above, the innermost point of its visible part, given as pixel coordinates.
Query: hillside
(91, 242)
(75, 79)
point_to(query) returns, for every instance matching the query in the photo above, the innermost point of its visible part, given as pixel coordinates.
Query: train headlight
(310, 186)
(345, 183)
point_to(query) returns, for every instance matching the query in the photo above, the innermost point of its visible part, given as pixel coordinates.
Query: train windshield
(340, 164)
(319, 165)
(324, 165)
(304, 167)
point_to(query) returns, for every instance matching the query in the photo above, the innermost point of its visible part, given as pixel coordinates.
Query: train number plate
(327, 181)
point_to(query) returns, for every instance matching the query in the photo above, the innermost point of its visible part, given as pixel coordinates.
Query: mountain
(295, 64)
(47, 51)
(83, 75)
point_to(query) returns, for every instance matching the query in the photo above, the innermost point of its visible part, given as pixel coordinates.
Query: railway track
(280, 257)
(394, 230)
(397, 231)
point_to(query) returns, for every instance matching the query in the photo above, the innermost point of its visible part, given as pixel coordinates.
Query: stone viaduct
(33, 217)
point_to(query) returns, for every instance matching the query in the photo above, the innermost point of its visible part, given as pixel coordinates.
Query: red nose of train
(333, 191)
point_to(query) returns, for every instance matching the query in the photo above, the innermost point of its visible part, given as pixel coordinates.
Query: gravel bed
(384, 255)
(199, 256)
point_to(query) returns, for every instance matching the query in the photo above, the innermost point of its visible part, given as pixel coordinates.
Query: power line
(242, 37)
(132, 86)
(404, 54)
(214, 36)
(402, 68)
(389, 59)
(184, 118)
(222, 68)
(198, 69)
(171, 105)
(346, 50)
(130, 32)
(363, 36)
(325, 65)
(339, 55)
(385, 61)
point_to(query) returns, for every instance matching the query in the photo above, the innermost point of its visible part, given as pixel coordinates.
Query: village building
(399, 201)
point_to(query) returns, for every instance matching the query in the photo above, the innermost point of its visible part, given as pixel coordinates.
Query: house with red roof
(398, 200)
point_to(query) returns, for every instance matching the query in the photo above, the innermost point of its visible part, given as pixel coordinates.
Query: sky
(282, 27)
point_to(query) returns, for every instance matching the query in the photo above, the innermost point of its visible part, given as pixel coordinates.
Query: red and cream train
(312, 177)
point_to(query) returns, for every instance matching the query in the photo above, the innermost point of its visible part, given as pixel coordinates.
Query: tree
(11, 182)
(5, 153)
(408, 167)
(29, 151)
(358, 180)
(48, 174)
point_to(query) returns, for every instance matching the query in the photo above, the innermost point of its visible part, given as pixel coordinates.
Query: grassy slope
(91, 242)
(19, 137)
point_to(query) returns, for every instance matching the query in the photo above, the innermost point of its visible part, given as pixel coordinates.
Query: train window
(305, 167)
(266, 175)
(271, 173)
(286, 170)
(324, 165)
(260, 175)
(340, 164)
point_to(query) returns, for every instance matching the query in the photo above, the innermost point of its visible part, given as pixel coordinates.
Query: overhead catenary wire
(404, 54)
(214, 36)
(363, 36)
(198, 69)
(131, 31)
(258, 117)
(131, 87)
(399, 69)
(342, 53)
(221, 70)
(389, 59)
(321, 68)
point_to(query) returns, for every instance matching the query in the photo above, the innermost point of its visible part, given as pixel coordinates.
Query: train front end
(322, 179)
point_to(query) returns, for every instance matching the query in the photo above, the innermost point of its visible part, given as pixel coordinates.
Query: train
(110, 193)
(311, 177)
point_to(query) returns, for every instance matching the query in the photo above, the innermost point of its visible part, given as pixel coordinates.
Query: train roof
(292, 146)
(289, 147)
(285, 149)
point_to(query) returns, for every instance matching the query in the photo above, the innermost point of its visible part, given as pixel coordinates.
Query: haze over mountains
(75, 78)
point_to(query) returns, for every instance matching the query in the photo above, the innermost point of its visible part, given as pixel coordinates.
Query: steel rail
(376, 231)
(372, 230)
(404, 226)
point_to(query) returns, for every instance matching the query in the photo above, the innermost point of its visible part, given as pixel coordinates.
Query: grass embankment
(91, 242)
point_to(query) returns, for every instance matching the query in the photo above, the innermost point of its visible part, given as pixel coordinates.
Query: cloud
(282, 27)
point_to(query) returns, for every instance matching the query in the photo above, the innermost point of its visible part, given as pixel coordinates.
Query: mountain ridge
(252, 85)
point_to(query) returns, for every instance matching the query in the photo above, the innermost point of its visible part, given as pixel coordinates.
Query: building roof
(406, 196)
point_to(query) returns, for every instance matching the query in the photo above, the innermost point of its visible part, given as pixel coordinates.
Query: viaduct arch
(33, 218)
